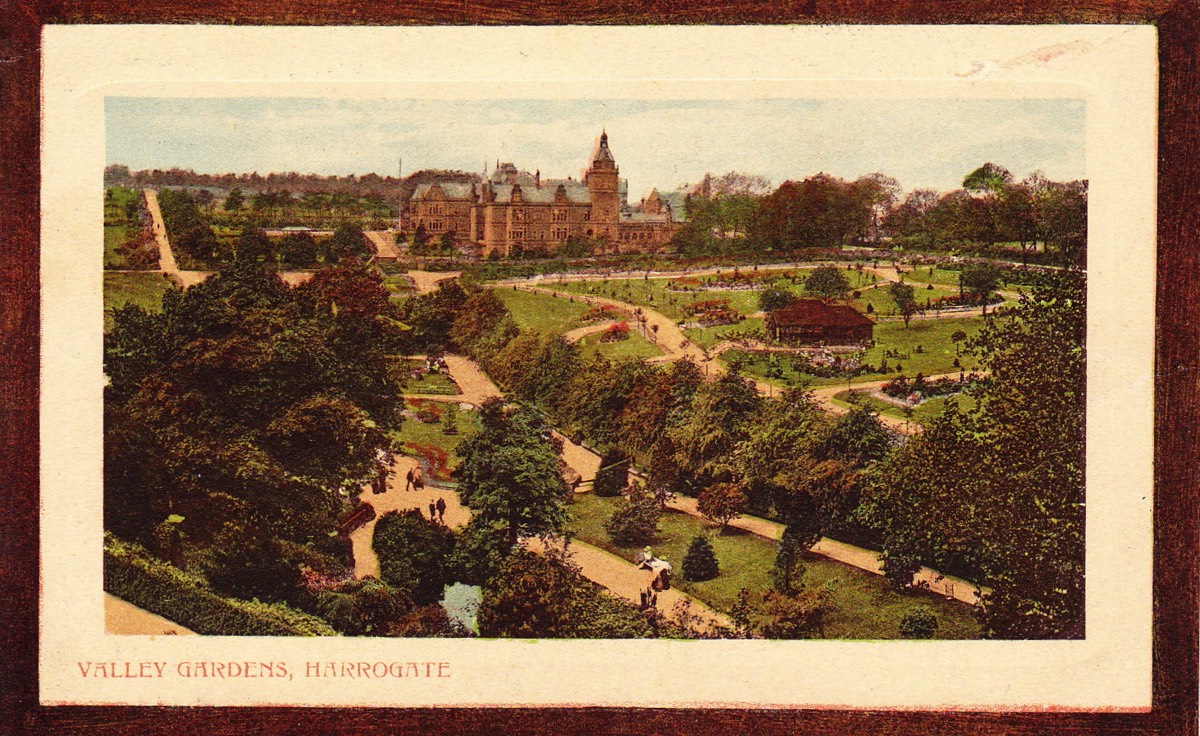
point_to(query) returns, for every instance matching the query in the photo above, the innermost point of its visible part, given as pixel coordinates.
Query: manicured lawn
(657, 294)
(542, 312)
(922, 414)
(114, 235)
(413, 432)
(939, 276)
(932, 335)
(634, 346)
(866, 607)
(142, 289)
(430, 383)
(710, 336)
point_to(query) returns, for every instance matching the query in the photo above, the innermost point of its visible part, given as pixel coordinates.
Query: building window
(516, 235)
(435, 209)
(518, 215)
(587, 215)
(559, 215)
(435, 224)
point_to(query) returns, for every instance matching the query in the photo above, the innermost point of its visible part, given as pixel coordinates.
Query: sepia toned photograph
(827, 389)
(678, 369)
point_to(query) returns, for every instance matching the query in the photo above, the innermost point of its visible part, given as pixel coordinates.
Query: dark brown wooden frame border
(1177, 399)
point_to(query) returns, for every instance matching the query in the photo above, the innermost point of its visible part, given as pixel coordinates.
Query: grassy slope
(923, 413)
(635, 346)
(541, 312)
(867, 608)
(432, 434)
(142, 289)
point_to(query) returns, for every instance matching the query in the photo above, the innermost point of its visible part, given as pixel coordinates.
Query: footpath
(620, 577)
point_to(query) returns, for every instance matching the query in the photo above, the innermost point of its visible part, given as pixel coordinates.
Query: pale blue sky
(657, 143)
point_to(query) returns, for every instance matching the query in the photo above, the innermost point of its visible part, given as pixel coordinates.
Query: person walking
(441, 509)
(408, 479)
(433, 512)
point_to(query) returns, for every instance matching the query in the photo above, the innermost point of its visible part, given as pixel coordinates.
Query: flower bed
(436, 460)
(616, 333)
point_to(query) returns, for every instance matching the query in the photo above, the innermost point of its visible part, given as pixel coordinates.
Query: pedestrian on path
(433, 512)
(441, 509)
(408, 479)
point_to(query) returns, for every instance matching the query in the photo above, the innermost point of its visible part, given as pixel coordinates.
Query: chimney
(537, 178)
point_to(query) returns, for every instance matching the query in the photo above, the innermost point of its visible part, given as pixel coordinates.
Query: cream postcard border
(1113, 68)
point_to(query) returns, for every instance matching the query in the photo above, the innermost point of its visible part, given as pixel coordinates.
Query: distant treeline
(389, 188)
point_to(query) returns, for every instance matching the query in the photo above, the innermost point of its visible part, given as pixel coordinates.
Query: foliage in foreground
(132, 574)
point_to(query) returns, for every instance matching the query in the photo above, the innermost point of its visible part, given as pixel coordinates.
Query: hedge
(132, 574)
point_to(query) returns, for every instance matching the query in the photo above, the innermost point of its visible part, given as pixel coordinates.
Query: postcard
(696, 366)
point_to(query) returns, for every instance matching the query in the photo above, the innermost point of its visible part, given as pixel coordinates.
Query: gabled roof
(816, 313)
(576, 191)
(451, 190)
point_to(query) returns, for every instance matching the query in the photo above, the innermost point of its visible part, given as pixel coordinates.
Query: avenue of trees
(739, 214)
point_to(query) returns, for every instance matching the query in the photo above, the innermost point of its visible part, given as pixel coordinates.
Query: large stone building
(513, 212)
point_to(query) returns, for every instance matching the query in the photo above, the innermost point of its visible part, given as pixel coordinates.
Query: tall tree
(510, 474)
(906, 302)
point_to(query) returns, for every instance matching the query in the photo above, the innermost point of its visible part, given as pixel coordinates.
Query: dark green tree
(635, 520)
(510, 473)
(613, 474)
(827, 282)
(413, 554)
(773, 298)
(700, 561)
(918, 622)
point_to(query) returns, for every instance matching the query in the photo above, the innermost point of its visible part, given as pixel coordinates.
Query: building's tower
(603, 183)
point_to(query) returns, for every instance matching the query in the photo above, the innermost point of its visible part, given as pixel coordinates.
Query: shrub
(918, 622)
(635, 521)
(413, 554)
(722, 502)
(613, 475)
(133, 575)
(700, 562)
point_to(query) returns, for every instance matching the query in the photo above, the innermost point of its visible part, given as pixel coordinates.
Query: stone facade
(514, 212)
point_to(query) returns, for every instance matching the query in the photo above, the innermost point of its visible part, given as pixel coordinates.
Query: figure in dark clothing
(408, 479)
(441, 509)
(433, 512)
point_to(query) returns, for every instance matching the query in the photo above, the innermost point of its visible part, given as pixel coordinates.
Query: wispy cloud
(922, 142)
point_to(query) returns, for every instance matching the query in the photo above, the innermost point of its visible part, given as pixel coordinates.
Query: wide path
(166, 257)
(396, 498)
(122, 617)
(622, 578)
(473, 384)
(426, 281)
(579, 333)
(384, 242)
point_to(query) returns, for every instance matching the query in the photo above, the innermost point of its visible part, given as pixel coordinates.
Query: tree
(700, 561)
(450, 421)
(347, 241)
(635, 521)
(413, 554)
(996, 493)
(613, 474)
(299, 250)
(906, 303)
(827, 282)
(987, 178)
(788, 570)
(542, 596)
(978, 283)
(856, 437)
(799, 616)
(234, 201)
(252, 246)
(918, 622)
(510, 473)
(665, 479)
(243, 408)
(718, 419)
(721, 503)
(773, 298)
